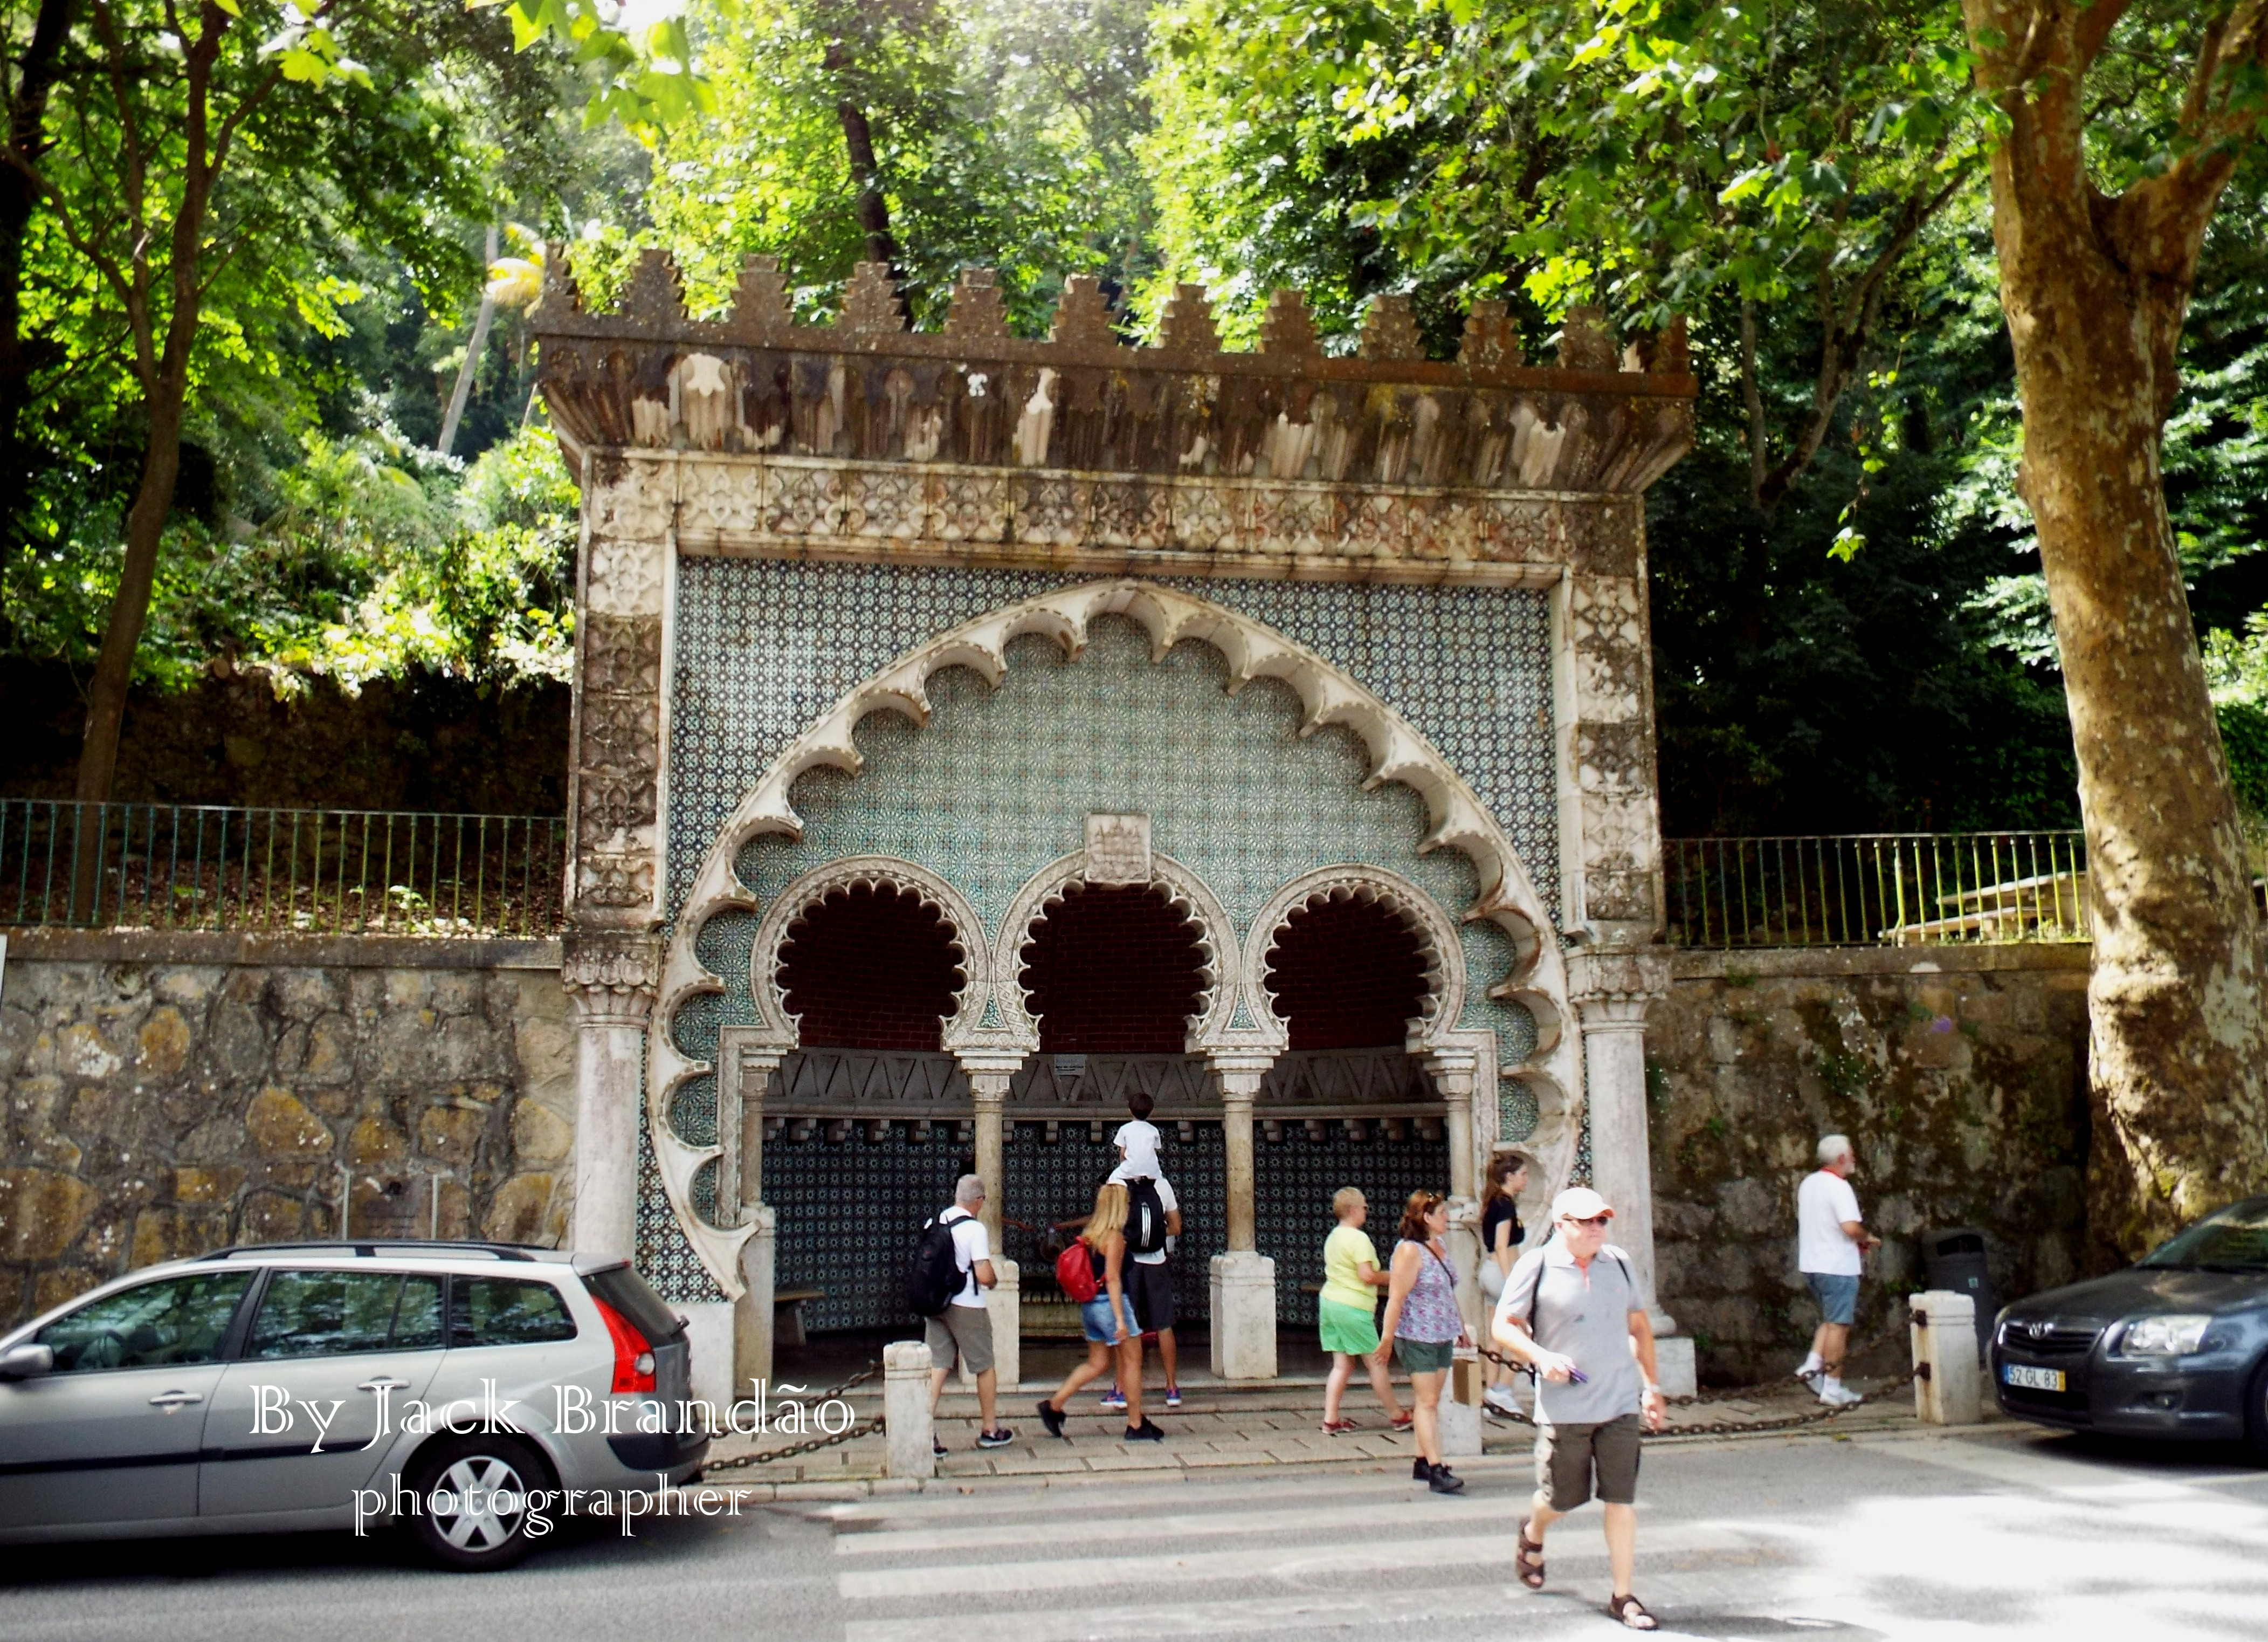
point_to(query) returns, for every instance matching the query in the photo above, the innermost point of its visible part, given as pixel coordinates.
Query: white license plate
(2032, 1379)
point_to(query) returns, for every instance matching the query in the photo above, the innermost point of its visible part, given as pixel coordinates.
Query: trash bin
(1953, 1260)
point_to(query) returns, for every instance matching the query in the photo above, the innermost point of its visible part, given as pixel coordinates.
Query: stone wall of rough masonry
(1959, 1073)
(171, 1093)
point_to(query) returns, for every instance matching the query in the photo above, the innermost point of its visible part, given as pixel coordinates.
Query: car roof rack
(370, 1247)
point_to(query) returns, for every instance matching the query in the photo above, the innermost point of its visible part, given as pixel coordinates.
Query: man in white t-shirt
(964, 1331)
(1831, 1244)
(1149, 1278)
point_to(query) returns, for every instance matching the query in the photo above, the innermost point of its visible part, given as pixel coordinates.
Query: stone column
(1243, 1279)
(1452, 1071)
(743, 1074)
(1612, 992)
(613, 978)
(990, 1073)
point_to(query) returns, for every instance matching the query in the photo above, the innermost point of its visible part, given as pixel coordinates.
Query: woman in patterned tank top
(1426, 1328)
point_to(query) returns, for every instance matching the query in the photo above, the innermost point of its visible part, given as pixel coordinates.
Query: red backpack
(1075, 1273)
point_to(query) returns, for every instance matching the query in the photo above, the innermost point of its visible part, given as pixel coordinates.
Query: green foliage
(1002, 137)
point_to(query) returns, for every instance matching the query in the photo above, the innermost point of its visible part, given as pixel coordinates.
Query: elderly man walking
(1572, 1310)
(1831, 1245)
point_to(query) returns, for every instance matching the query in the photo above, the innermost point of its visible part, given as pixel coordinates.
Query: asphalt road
(2001, 1532)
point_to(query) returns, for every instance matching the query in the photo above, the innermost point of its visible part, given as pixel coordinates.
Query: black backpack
(1146, 1218)
(935, 1277)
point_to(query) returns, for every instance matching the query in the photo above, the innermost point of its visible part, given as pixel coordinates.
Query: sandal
(1632, 1613)
(1528, 1561)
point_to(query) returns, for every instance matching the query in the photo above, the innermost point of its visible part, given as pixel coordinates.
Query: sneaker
(1404, 1421)
(1814, 1378)
(1114, 1398)
(1421, 1470)
(1501, 1398)
(1147, 1431)
(1836, 1395)
(937, 1447)
(1052, 1417)
(1337, 1428)
(1000, 1438)
(1443, 1481)
(1173, 1396)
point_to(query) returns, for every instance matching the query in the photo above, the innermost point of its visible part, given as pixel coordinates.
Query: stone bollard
(1948, 1390)
(1243, 1316)
(908, 1428)
(1459, 1410)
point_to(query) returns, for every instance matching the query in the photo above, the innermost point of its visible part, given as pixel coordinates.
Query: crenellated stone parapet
(862, 439)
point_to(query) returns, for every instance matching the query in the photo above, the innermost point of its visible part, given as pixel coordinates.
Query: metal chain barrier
(850, 1433)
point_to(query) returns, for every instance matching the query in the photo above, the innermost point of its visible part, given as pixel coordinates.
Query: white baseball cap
(1579, 1203)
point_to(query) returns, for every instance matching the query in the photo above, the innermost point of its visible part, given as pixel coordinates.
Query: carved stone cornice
(613, 977)
(990, 446)
(1612, 990)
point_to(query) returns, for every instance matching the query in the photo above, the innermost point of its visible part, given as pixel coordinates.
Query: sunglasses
(1595, 1221)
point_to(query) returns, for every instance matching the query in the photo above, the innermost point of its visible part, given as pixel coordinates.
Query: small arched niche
(871, 966)
(1348, 971)
(1114, 969)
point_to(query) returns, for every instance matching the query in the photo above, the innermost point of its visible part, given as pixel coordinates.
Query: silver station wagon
(458, 1390)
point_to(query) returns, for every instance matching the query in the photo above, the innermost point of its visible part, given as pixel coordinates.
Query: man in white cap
(1572, 1311)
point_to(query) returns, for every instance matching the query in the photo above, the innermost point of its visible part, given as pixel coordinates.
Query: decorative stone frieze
(866, 439)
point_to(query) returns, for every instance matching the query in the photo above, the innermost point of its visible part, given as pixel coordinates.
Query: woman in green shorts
(1423, 1318)
(1346, 1310)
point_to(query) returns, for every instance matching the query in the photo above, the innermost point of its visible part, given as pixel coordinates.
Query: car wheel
(2255, 1413)
(472, 1502)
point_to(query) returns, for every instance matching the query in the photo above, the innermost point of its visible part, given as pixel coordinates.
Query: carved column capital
(612, 978)
(1237, 1073)
(1613, 990)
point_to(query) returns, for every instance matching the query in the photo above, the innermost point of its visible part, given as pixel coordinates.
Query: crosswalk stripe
(1379, 1518)
(1156, 1573)
(1104, 1494)
(1305, 1612)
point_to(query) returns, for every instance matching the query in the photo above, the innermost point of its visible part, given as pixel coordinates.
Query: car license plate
(2032, 1379)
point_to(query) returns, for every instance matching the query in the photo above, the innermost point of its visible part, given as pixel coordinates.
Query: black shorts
(1151, 1288)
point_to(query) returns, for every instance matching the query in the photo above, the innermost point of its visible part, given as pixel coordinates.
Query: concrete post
(906, 1428)
(1948, 1389)
(1460, 1409)
(1243, 1279)
(1612, 992)
(613, 978)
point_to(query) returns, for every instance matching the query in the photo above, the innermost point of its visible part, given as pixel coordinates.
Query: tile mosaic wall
(1000, 782)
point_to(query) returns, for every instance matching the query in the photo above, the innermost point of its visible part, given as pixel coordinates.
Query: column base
(1004, 1304)
(907, 1430)
(753, 1319)
(1243, 1316)
(1673, 1358)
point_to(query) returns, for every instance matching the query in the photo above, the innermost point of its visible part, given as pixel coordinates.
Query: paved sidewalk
(1217, 1428)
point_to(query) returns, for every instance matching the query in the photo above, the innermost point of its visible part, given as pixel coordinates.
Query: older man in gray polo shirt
(1572, 1310)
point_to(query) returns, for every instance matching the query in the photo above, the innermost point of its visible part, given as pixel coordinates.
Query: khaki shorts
(1567, 1455)
(964, 1330)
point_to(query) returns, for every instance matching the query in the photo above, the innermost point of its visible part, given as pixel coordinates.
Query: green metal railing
(278, 871)
(1895, 889)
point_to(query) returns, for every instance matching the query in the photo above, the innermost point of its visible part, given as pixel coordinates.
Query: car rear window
(507, 1311)
(626, 1292)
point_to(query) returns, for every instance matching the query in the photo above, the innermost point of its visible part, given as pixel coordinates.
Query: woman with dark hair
(1501, 1234)
(1426, 1328)
(1109, 1322)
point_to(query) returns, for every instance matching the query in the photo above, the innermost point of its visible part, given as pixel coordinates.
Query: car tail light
(633, 1356)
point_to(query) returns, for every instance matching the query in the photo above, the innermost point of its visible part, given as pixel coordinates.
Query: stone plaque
(1118, 849)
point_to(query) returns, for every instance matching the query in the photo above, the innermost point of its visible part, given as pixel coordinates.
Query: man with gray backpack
(951, 1268)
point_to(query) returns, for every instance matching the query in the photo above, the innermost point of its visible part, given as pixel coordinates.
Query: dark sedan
(2176, 1346)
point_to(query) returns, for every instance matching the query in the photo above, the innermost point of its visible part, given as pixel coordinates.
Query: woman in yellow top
(1346, 1312)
